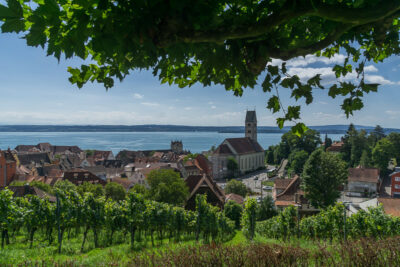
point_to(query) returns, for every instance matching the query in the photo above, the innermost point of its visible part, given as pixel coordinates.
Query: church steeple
(251, 125)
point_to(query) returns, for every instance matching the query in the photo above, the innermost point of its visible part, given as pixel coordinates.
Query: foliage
(329, 224)
(266, 209)
(79, 216)
(249, 218)
(115, 191)
(327, 142)
(236, 187)
(65, 185)
(296, 161)
(219, 42)
(96, 189)
(167, 186)
(382, 153)
(233, 211)
(322, 177)
(139, 189)
(232, 165)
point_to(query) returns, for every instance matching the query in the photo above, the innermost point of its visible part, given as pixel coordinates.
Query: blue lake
(116, 141)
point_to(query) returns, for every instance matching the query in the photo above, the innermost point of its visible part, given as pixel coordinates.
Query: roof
(335, 147)
(244, 145)
(251, 116)
(20, 191)
(62, 149)
(235, 197)
(40, 157)
(391, 206)
(367, 175)
(127, 184)
(223, 149)
(195, 181)
(282, 183)
(288, 196)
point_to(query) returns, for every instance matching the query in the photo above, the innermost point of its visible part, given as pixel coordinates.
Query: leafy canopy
(229, 42)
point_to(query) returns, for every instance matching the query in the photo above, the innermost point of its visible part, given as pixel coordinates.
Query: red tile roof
(234, 197)
(282, 183)
(245, 145)
(223, 149)
(391, 206)
(368, 175)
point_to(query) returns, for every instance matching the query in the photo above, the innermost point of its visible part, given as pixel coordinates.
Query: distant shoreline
(323, 129)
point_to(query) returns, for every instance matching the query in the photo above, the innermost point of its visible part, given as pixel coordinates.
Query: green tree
(323, 174)
(233, 211)
(365, 160)
(249, 218)
(167, 186)
(382, 153)
(42, 186)
(394, 138)
(96, 189)
(139, 189)
(290, 142)
(296, 161)
(327, 142)
(65, 186)
(232, 165)
(236, 187)
(347, 142)
(377, 134)
(266, 209)
(115, 191)
(216, 42)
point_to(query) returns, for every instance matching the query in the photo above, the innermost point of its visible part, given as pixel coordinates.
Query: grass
(268, 183)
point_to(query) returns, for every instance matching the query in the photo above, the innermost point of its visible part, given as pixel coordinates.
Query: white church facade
(245, 150)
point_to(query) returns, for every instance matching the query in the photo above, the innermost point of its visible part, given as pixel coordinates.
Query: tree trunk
(152, 238)
(7, 238)
(32, 233)
(111, 237)
(60, 238)
(84, 238)
(133, 229)
(3, 235)
(96, 243)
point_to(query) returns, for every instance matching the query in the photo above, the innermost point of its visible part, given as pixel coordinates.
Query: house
(21, 191)
(78, 176)
(336, 147)
(391, 206)
(395, 182)
(33, 159)
(246, 151)
(8, 168)
(203, 184)
(235, 198)
(279, 186)
(363, 182)
(293, 195)
(138, 172)
(48, 148)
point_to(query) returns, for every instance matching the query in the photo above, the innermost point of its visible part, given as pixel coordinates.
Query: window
(249, 131)
(248, 124)
(397, 179)
(397, 186)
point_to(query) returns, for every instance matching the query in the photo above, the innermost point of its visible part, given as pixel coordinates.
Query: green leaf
(13, 25)
(273, 104)
(299, 129)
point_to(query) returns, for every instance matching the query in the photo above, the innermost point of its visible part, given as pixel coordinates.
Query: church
(247, 152)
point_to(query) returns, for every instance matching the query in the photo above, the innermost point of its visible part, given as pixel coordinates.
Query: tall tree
(327, 142)
(382, 153)
(232, 165)
(266, 209)
(167, 186)
(348, 141)
(236, 187)
(296, 161)
(233, 211)
(378, 133)
(213, 42)
(394, 138)
(322, 177)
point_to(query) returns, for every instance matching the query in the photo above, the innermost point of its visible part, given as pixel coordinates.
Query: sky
(34, 89)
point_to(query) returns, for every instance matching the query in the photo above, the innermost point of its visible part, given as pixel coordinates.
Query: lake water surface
(116, 141)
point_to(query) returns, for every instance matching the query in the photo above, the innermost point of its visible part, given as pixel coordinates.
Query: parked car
(259, 199)
(267, 187)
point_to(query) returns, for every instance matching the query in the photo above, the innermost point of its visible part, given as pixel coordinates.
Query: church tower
(251, 125)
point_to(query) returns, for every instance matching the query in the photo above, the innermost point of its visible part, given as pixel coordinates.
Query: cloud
(213, 107)
(328, 76)
(150, 104)
(310, 59)
(210, 103)
(187, 108)
(137, 96)
(322, 102)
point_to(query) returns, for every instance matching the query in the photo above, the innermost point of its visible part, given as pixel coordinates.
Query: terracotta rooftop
(244, 145)
(391, 206)
(368, 175)
(234, 197)
(223, 149)
(282, 183)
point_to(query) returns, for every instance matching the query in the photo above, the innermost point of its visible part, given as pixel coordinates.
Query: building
(395, 182)
(246, 151)
(251, 125)
(363, 182)
(293, 195)
(391, 206)
(336, 147)
(79, 176)
(177, 147)
(235, 198)
(8, 168)
(203, 184)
